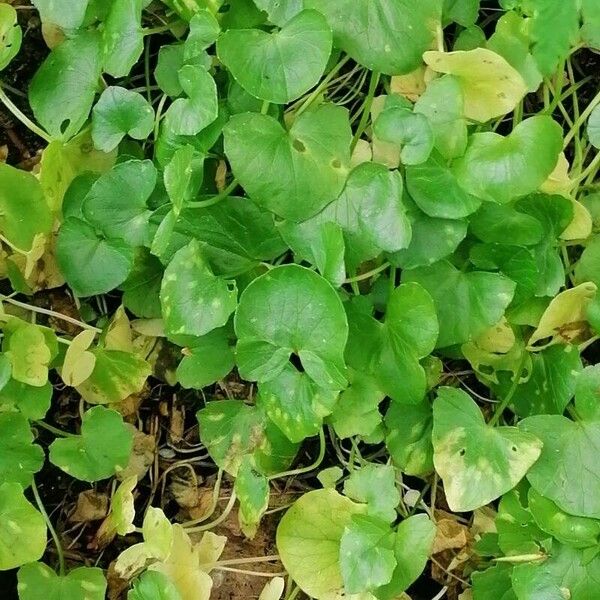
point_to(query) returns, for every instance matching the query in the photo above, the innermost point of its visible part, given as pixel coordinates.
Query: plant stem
(311, 467)
(244, 572)
(511, 392)
(214, 502)
(218, 520)
(49, 313)
(368, 275)
(59, 550)
(246, 561)
(21, 117)
(54, 430)
(224, 194)
(366, 109)
(581, 120)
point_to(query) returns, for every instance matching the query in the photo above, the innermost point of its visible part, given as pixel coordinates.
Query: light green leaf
(68, 14)
(375, 486)
(91, 264)
(22, 528)
(116, 203)
(102, 449)
(295, 403)
(122, 511)
(476, 462)
(116, 375)
(408, 437)
(414, 542)
(443, 105)
(118, 113)
(31, 401)
(294, 173)
(463, 12)
(384, 36)
(593, 127)
(204, 31)
(10, 35)
(122, 37)
(280, 11)
(153, 585)
(37, 581)
(434, 188)
(409, 130)
(62, 91)
(291, 310)
(20, 194)
(207, 360)
(308, 540)
(252, 490)
(183, 176)
(26, 346)
(367, 558)
(491, 86)
(20, 458)
(499, 169)
(231, 429)
(466, 303)
(194, 301)
(281, 66)
(189, 116)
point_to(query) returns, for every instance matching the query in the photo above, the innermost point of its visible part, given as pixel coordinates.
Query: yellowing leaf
(491, 87)
(565, 318)
(29, 355)
(411, 85)
(118, 336)
(121, 515)
(79, 363)
(499, 338)
(273, 590)
(580, 228)
(558, 181)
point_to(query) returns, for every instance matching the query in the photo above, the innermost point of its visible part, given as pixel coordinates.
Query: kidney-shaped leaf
(281, 66)
(37, 581)
(10, 35)
(384, 35)
(102, 449)
(291, 310)
(19, 457)
(477, 462)
(293, 173)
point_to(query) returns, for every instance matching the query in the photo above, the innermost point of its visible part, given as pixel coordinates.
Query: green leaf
(22, 528)
(491, 86)
(504, 224)
(463, 12)
(499, 169)
(281, 66)
(204, 31)
(31, 401)
(171, 59)
(294, 173)
(410, 131)
(578, 532)
(62, 91)
(466, 303)
(142, 287)
(566, 571)
(550, 384)
(295, 403)
(21, 193)
(91, 264)
(408, 437)
(517, 530)
(67, 14)
(116, 375)
(19, 457)
(252, 490)
(10, 35)
(476, 462)
(189, 116)
(434, 188)
(367, 558)
(37, 581)
(414, 542)
(122, 37)
(291, 310)
(207, 360)
(232, 429)
(153, 585)
(102, 449)
(116, 203)
(183, 176)
(443, 105)
(194, 301)
(280, 11)
(118, 113)
(384, 36)
(493, 583)
(375, 486)
(308, 540)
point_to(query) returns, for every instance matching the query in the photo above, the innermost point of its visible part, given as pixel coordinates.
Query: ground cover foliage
(318, 274)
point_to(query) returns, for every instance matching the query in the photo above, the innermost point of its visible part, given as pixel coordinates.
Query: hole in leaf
(463, 451)
(295, 360)
(65, 125)
(299, 146)
(514, 448)
(225, 8)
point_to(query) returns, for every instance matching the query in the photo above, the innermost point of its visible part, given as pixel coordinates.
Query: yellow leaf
(580, 228)
(118, 336)
(499, 338)
(273, 590)
(491, 86)
(558, 181)
(362, 153)
(29, 355)
(79, 363)
(565, 318)
(411, 86)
